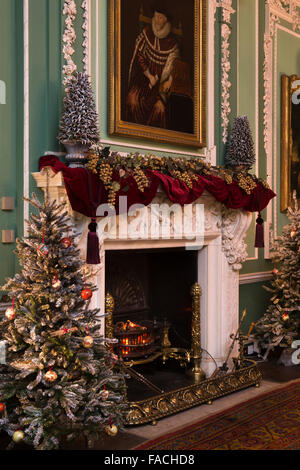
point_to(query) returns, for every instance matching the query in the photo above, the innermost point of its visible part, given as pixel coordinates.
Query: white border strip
(26, 113)
(252, 278)
(158, 149)
(96, 56)
(89, 31)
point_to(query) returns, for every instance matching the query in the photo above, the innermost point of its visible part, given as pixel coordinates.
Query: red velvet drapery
(86, 192)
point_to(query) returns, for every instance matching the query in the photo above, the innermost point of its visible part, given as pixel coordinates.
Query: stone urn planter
(75, 156)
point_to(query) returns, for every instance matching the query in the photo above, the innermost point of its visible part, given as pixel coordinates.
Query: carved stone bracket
(234, 228)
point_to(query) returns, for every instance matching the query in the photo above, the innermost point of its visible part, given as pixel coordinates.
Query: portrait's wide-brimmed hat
(160, 7)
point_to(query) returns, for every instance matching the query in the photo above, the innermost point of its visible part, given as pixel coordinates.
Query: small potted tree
(78, 128)
(240, 154)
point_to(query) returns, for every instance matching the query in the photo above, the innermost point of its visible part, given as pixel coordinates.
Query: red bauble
(86, 294)
(2, 407)
(66, 242)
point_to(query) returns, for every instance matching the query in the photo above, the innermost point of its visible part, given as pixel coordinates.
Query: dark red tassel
(259, 235)
(92, 253)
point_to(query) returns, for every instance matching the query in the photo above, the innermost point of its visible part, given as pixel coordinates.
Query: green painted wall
(11, 130)
(255, 299)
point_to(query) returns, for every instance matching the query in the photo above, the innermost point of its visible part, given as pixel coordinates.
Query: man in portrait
(151, 70)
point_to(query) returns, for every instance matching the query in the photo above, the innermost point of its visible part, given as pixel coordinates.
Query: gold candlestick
(196, 350)
(109, 309)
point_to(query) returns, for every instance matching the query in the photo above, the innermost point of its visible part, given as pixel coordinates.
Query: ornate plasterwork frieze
(68, 39)
(227, 11)
(85, 27)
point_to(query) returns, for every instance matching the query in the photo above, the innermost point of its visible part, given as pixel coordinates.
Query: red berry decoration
(86, 294)
(66, 242)
(2, 407)
(285, 316)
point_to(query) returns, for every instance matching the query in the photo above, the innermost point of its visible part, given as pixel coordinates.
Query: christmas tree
(280, 324)
(60, 379)
(240, 151)
(79, 120)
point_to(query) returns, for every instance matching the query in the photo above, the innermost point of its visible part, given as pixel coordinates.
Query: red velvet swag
(86, 192)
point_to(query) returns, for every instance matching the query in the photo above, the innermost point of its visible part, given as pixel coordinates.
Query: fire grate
(137, 340)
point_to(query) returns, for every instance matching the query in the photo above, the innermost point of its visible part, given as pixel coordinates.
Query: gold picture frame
(185, 121)
(290, 140)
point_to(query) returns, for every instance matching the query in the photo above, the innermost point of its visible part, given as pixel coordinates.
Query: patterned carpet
(269, 422)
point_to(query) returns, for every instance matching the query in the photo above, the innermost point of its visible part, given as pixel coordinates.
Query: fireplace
(151, 292)
(149, 281)
(217, 269)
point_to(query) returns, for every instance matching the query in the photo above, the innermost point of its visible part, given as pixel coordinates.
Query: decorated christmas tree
(79, 120)
(240, 153)
(281, 323)
(60, 380)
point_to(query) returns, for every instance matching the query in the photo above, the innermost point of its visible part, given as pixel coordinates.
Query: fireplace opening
(151, 290)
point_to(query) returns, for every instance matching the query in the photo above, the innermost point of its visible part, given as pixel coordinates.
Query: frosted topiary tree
(79, 120)
(240, 153)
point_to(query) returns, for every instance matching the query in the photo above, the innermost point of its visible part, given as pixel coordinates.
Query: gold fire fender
(168, 403)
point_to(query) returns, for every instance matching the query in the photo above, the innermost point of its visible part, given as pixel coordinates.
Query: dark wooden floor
(271, 372)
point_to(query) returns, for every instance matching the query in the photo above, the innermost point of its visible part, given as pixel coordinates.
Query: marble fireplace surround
(219, 262)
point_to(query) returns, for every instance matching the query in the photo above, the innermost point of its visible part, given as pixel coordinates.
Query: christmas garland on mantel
(110, 175)
(108, 166)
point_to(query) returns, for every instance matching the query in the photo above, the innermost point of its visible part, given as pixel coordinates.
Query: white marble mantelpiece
(219, 262)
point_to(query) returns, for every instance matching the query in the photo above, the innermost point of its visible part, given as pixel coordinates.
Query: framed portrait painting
(157, 70)
(290, 140)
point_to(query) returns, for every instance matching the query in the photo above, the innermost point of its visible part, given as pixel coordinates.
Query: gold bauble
(111, 430)
(56, 284)
(51, 376)
(88, 342)
(10, 313)
(104, 394)
(18, 436)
